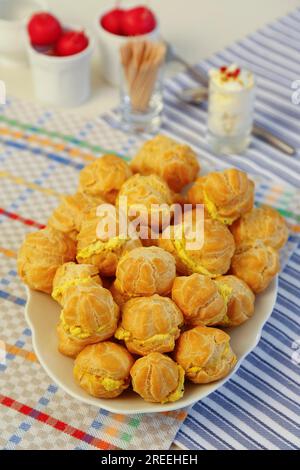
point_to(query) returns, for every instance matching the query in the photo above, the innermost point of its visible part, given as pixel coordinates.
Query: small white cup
(109, 45)
(14, 15)
(62, 81)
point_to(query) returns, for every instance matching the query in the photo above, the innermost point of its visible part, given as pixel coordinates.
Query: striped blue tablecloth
(259, 407)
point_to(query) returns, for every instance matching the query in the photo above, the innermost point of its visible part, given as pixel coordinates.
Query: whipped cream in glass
(230, 109)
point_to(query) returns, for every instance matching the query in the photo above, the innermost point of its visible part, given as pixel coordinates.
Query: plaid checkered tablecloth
(41, 151)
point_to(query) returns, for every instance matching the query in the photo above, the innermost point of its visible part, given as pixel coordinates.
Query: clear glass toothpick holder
(141, 97)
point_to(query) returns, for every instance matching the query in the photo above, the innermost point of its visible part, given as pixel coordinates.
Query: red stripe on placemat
(55, 423)
(19, 218)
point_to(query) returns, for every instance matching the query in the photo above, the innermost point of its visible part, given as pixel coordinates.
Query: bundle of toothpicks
(141, 61)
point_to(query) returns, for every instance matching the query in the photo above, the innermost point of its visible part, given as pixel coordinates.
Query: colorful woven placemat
(41, 151)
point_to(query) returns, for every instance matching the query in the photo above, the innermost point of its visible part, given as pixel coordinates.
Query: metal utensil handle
(273, 140)
(196, 74)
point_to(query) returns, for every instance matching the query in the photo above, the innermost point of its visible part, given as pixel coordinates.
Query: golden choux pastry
(240, 300)
(89, 315)
(105, 252)
(227, 195)
(200, 299)
(67, 217)
(176, 163)
(41, 254)
(157, 378)
(104, 177)
(150, 324)
(145, 271)
(72, 274)
(264, 224)
(140, 193)
(212, 260)
(103, 370)
(256, 264)
(205, 354)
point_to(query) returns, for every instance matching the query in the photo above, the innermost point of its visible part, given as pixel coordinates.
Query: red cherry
(112, 21)
(44, 29)
(70, 43)
(137, 21)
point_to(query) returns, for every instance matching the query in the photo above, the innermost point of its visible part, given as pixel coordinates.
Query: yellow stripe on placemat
(36, 187)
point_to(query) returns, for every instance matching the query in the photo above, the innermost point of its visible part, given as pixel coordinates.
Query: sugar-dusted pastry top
(104, 177)
(71, 275)
(227, 194)
(157, 378)
(256, 264)
(69, 214)
(145, 271)
(103, 369)
(41, 254)
(212, 259)
(150, 324)
(174, 162)
(205, 354)
(264, 224)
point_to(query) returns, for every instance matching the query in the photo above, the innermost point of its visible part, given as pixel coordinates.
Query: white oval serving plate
(42, 314)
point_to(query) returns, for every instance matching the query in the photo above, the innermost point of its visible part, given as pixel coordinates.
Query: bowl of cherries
(117, 26)
(60, 59)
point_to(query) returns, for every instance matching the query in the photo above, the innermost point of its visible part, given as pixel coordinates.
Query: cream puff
(264, 224)
(89, 315)
(239, 303)
(104, 177)
(72, 274)
(40, 256)
(68, 216)
(150, 324)
(214, 256)
(174, 162)
(205, 354)
(256, 264)
(103, 370)
(157, 378)
(226, 195)
(147, 198)
(201, 300)
(101, 251)
(145, 271)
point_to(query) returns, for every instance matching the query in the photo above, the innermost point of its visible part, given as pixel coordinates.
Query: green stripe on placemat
(54, 134)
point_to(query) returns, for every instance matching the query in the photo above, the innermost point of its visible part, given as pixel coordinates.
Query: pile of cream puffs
(150, 314)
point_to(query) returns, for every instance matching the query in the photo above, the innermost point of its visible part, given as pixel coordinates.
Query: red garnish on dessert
(112, 21)
(44, 29)
(223, 69)
(71, 42)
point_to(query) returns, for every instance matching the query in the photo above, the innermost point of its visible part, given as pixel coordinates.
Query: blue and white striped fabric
(259, 407)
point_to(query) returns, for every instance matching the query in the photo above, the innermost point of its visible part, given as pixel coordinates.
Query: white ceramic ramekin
(62, 81)
(14, 15)
(109, 46)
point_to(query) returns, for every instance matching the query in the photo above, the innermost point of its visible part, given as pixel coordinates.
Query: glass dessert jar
(230, 109)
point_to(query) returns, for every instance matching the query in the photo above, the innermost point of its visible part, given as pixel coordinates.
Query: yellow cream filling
(61, 289)
(125, 335)
(213, 211)
(188, 261)
(99, 246)
(225, 292)
(78, 332)
(179, 391)
(108, 383)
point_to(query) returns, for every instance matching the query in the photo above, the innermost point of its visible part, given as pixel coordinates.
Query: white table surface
(197, 28)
